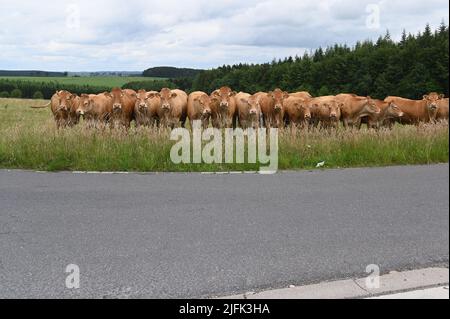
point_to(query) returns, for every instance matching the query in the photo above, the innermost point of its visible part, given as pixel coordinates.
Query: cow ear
(425, 97)
(441, 96)
(215, 93)
(285, 95)
(57, 92)
(244, 100)
(173, 95)
(151, 95)
(232, 93)
(108, 94)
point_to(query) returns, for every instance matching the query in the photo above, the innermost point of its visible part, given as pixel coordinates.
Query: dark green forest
(170, 72)
(415, 65)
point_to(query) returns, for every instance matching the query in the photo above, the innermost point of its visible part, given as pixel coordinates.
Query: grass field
(109, 81)
(29, 140)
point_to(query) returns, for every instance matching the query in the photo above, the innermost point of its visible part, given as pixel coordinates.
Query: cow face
(223, 97)
(166, 96)
(432, 101)
(334, 109)
(65, 100)
(252, 106)
(304, 109)
(85, 105)
(117, 96)
(205, 102)
(371, 107)
(142, 99)
(278, 97)
(394, 111)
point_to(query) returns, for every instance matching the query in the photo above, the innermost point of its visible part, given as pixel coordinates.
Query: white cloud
(136, 34)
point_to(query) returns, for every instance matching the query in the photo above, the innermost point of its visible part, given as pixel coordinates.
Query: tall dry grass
(29, 140)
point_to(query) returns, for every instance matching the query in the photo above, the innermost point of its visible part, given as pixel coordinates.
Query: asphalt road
(193, 235)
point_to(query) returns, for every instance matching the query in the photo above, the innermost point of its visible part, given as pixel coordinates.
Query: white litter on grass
(321, 164)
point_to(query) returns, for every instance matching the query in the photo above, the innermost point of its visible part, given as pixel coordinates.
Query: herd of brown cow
(226, 108)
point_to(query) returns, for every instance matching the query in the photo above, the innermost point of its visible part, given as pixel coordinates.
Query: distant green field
(109, 81)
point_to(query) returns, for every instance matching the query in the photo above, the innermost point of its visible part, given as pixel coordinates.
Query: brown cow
(146, 108)
(74, 118)
(223, 107)
(354, 107)
(272, 107)
(416, 111)
(123, 102)
(172, 110)
(326, 111)
(303, 94)
(199, 108)
(63, 105)
(388, 115)
(249, 111)
(442, 113)
(95, 109)
(297, 110)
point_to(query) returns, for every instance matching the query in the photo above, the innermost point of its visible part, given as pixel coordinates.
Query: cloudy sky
(93, 35)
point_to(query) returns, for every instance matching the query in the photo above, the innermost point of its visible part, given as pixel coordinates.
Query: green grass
(109, 81)
(29, 140)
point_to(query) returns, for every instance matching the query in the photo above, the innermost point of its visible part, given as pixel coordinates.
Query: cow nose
(207, 112)
(143, 106)
(333, 115)
(307, 116)
(253, 112)
(117, 106)
(80, 112)
(166, 106)
(401, 114)
(277, 107)
(224, 104)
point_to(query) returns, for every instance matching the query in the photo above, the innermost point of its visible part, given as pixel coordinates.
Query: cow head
(205, 102)
(334, 109)
(142, 99)
(371, 107)
(253, 106)
(85, 105)
(393, 111)
(278, 97)
(166, 96)
(117, 96)
(304, 109)
(223, 96)
(432, 101)
(65, 100)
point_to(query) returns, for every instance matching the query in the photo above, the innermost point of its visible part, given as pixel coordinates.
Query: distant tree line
(33, 73)
(170, 72)
(32, 89)
(415, 65)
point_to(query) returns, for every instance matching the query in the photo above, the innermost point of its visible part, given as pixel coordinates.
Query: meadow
(102, 81)
(29, 140)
